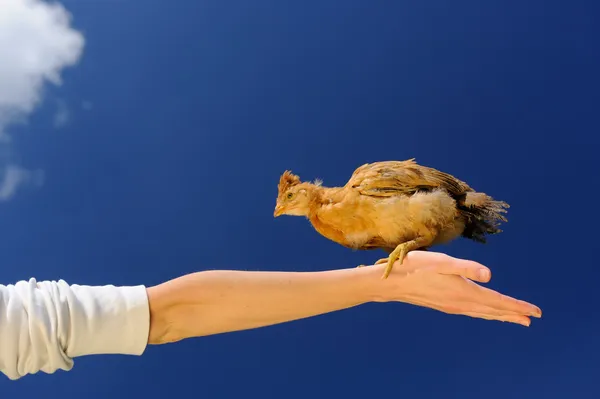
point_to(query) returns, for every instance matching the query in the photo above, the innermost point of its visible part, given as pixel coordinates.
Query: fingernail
(483, 274)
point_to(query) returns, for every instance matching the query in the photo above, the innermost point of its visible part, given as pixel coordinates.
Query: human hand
(441, 282)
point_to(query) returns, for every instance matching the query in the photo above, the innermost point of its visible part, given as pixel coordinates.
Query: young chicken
(398, 206)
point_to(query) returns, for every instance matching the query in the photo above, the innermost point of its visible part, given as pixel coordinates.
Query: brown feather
(287, 180)
(388, 178)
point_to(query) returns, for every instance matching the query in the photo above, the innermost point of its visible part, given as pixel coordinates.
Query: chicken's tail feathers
(483, 215)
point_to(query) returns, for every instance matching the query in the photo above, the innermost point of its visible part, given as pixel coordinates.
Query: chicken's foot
(385, 260)
(400, 252)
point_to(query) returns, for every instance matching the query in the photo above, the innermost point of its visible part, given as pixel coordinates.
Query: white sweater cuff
(109, 320)
(44, 325)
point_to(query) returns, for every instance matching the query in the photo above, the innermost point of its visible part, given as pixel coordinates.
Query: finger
(503, 304)
(506, 303)
(517, 319)
(482, 308)
(461, 267)
(473, 310)
(477, 311)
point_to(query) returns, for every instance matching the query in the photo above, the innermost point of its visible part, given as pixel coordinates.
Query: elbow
(163, 326)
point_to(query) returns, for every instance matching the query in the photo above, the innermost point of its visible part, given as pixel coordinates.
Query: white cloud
(14, 177)
(37, 42)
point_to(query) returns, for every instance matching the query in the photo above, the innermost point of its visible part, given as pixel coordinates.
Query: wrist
(375, 288)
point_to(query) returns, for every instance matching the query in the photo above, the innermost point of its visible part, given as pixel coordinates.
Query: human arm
(43, 325)
(213, 302)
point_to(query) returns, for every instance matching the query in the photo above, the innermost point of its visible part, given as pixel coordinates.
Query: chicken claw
(400, 252)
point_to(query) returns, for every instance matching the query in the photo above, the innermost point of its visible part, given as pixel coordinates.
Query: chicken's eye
(290, 196)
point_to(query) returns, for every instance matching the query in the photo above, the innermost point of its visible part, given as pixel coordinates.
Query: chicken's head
(293, 197)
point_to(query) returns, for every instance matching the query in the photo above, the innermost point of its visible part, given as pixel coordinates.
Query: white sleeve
(44, 325)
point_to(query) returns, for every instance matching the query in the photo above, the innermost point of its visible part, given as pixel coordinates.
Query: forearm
(215, 302)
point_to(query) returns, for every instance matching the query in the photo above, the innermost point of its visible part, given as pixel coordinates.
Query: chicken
(397, 206)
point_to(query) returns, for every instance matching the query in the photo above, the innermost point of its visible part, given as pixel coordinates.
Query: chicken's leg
(385, 260)
(400, 252)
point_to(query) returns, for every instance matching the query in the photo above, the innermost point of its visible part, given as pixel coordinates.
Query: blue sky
(161, 150)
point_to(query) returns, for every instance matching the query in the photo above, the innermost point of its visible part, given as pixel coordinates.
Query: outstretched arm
(43, 325)
(213, 302)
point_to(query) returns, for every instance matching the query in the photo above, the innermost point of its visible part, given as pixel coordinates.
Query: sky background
(160, 153)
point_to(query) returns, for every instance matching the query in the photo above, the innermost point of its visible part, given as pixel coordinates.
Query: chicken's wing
(404, 178)
(389, 178)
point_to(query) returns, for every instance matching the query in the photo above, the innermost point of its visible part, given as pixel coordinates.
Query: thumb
(465, 268)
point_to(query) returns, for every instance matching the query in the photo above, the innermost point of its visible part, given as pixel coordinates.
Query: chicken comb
(287, 180)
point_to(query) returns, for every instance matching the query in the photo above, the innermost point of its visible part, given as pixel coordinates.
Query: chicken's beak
(278, 211)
